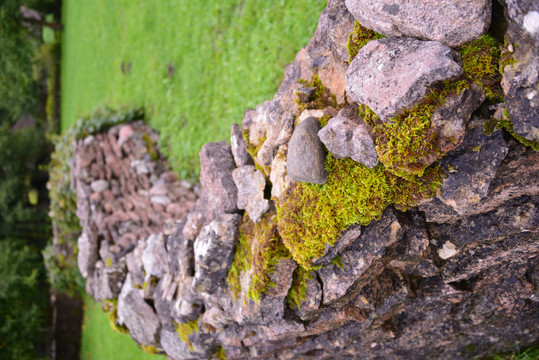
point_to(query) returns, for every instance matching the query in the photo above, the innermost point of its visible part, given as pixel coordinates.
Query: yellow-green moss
(220, 354)
(505, 123)
(481, 62)
(359, 38)
(110, 306)
(314, 215)
(319, 99)
(149, 146)
(337, 262)
(185, 330)
(297, 291)
(259, 249)
(253, 149)
(149, 349)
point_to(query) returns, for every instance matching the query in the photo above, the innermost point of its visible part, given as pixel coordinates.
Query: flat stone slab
(390, 74)
(451, 22)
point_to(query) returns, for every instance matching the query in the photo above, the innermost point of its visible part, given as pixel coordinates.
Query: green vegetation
(253, 148)
(259, 249)
(506, 56)
(506, 124)
(111, 306)
(532, 353)
(297, 291)
(187, 329)
(359, 38)
(22, 302)
(195, 66)
(100, 342)
(220, 354)
(319, 99)
(480, 61)
(353, 194)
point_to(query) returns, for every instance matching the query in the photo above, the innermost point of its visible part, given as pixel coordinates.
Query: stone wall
(453, 278)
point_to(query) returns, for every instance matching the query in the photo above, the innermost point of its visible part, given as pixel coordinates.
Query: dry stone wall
(454, 278)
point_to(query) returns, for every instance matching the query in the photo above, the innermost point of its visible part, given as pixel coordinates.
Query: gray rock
(313, 298)
(161, 200)
(251, 184)
(154, 256)
(344, 137)
(270, 126)
(451, 118)
(360, 256)
(271, 306)
(239, 148)
(214, 251)
(99, 185)
(318, 113)
(453, 23)
(87, 255)
(175, 348)
(306, 154)
(106, 282)
(137, 315)
(390, 74)
(218, 188)
(471, 168)
(346, 238)
(279, 176)
(520, 81)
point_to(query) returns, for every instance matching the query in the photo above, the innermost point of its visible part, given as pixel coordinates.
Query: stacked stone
(125, 192)
(455, 279)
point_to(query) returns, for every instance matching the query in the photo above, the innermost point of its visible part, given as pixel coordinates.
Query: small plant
(359, 38)
(149, 349)
(506, 124)
(320, 98)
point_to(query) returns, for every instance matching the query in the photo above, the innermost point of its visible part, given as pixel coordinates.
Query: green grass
(100, 342)
(228, 56)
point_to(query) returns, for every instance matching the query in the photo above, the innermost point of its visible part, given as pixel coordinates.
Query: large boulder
(450, 22)
(390, 74)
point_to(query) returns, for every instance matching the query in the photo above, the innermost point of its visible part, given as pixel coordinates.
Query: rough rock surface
(390, 74)
(346, 136)
(471, 170)
(450, 22)
(455, 279)
(521, 80)
(306, 155)
(137, 315)
(214, 251)
(239, 148)
(251, 184)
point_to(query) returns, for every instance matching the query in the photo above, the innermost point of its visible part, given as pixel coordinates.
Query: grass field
(99, 342)
(196, 66)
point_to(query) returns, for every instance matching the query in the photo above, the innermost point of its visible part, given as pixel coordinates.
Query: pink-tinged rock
(251, 184)
(450, 22)
(318, 113)
(391, 74)
(278, 175)
(239, 148)
(345, 136)
(125, 134)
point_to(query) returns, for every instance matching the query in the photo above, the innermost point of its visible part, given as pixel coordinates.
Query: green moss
(314, 215)
(337, 262)
(149, 349)
(150, 148)
(110, 306)
(506, 56)
(480, 61)
(359, 38)
(506, 124)
(297, 291)
(220, 354)
(319, 99)
(253, 148)
(259, 249)
(185, 330)
(108, 262)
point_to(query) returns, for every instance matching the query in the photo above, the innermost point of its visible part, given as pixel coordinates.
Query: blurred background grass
(196, 66)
